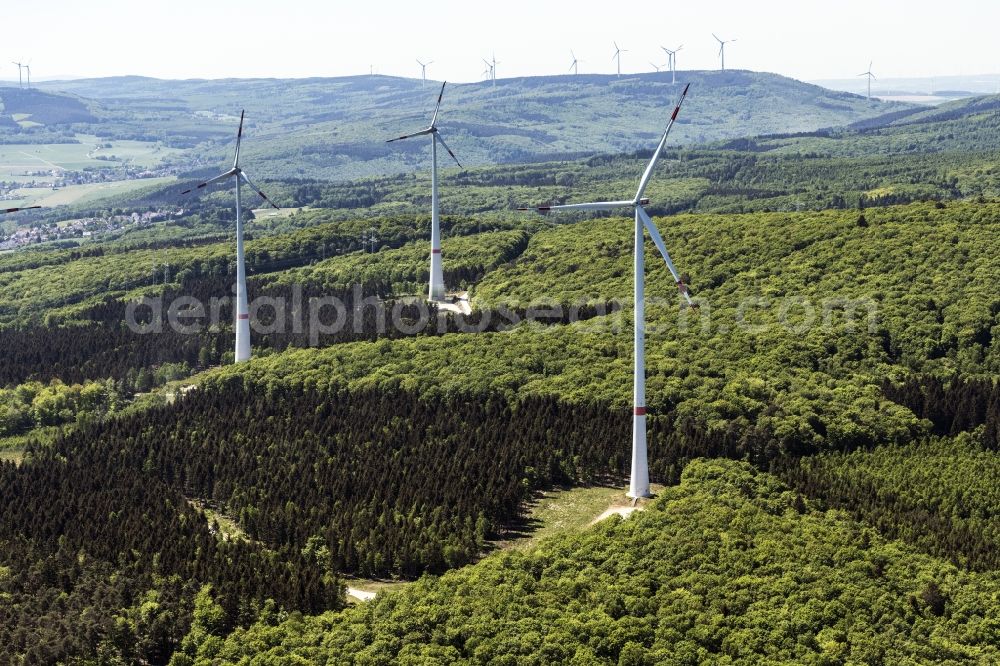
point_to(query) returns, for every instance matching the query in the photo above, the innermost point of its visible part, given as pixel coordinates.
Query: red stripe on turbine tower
(640, 411)
(243, 316)
(437, 251)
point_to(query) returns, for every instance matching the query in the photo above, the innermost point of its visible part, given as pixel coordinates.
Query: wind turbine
(488, 72)
(27, 69)
(435, 290)
(672, 61)
(242, 308)
(870, 77)
(618, 56)
(423, 70)
(493, 69)
(657, 67)
(722, 49)
(575, 63)
(639, 478)
(14, 210)
(20, 81)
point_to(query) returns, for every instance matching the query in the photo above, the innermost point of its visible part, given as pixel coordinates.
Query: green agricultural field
(83, 194)
(17, 158)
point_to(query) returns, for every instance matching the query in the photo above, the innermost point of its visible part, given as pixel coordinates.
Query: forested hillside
(325, 128)
(727, 567)
(159, 504)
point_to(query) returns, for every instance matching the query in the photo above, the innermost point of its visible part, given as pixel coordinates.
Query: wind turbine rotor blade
(410, 136)
(239, 139)
(258, 190)
(199, 186)
(14, 210)
(597, 205)
(659, 149)
(873, 76)
(437, 107)
(658, 241)
(437, 135)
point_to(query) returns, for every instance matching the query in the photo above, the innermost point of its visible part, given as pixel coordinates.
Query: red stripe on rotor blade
(686, 90)
(677, 110)
(682, 287)
(544, 208)
(243, 316)
(639, 411)
(200, 186)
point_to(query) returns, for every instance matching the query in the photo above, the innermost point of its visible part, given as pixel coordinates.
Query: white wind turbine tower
(722, 49)
(27, 71)
(618, 56)
(20, 81)
(435, 290)
(870, 77)
(423, 70)
(490, 72)
(672, 62)
(575, 63)
(242, 310)
(639, 478)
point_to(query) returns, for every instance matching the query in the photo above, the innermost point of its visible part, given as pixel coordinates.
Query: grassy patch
(567, 510)
(229, 529)
(15, 455)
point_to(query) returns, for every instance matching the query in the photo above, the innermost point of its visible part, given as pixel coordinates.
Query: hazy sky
(297, 38)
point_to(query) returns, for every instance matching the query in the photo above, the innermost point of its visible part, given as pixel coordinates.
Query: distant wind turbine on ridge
(639, 477)
(722, 49)
(20, 80)
(242, 310)
(573, 67)
(423, 70)
(672, 62)
(435, 290)
(870, 77)
(491, 70)
(618, 56)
